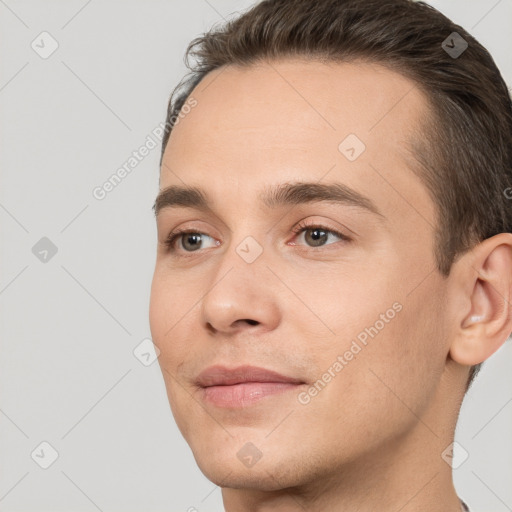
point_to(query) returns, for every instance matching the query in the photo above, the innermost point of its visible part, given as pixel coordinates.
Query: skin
(372, 438)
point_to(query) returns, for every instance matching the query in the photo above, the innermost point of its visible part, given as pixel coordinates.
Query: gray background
(69, 325)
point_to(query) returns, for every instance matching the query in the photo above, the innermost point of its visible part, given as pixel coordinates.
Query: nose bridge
(246, 242)
(239, 290)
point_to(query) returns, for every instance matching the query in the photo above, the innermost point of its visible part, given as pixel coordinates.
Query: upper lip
(223, 376)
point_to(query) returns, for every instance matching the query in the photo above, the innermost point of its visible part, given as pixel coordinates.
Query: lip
(242, 386)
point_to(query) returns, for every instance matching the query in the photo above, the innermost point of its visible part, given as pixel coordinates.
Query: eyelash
(302, 226)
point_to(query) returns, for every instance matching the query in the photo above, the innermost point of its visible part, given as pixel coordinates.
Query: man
(334, 252)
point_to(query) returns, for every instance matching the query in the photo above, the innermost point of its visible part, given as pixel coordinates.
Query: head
(350, 120)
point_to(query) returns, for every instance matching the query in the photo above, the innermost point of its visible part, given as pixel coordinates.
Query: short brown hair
(465, 154)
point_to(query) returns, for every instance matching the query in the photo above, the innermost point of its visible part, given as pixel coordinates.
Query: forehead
(297, 119)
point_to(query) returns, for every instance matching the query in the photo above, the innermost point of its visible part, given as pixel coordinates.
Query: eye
(317, 234)
(189, 238)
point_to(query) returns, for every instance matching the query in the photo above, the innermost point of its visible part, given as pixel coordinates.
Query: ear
(483, 292)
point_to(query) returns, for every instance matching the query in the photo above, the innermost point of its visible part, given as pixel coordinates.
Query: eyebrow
(273, 197)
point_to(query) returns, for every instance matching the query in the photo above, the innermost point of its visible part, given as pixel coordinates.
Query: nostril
(252, 322)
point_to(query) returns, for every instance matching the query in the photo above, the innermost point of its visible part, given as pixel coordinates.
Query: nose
(241, 297)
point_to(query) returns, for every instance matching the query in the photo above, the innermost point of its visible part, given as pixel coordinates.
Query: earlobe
(484, 277)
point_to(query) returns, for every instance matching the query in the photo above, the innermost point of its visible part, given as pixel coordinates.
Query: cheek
(390, 344)
(344, 307)
(403, 360)
(159, 313)
(168, 320)
(167, 314)
(155, 316)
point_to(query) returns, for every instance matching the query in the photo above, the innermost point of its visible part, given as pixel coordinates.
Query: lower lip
(245, 393)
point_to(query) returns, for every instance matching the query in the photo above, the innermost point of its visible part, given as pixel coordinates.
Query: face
(339, 295)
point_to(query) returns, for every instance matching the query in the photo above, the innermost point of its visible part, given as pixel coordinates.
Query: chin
(223, 464)
(226, 473)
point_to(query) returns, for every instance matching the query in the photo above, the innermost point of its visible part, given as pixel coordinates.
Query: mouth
(242, 386)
